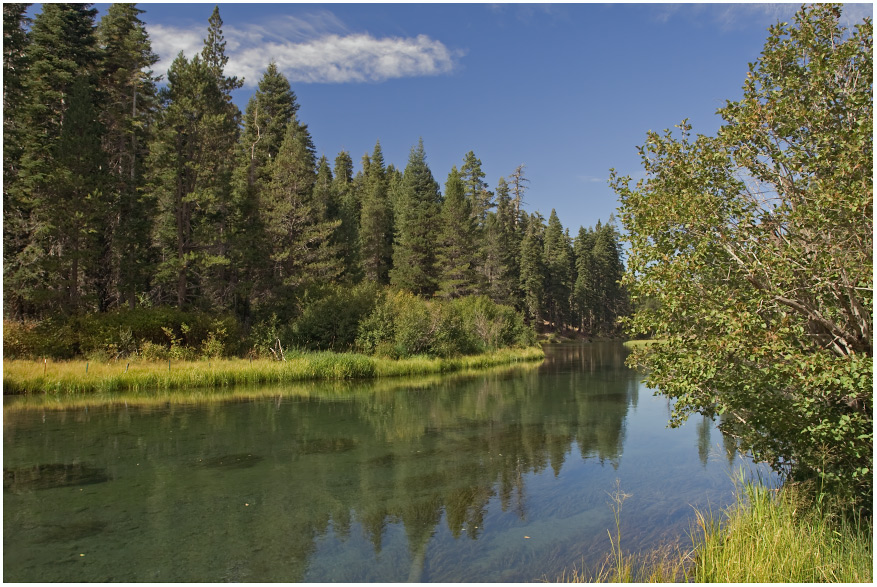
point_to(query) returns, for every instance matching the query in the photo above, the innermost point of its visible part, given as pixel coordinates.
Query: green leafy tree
(414, 266)
(755, 248)
(130, 106)
(456, 257)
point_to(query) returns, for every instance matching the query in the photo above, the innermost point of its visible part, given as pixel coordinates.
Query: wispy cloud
(315, 48)
(743, 16)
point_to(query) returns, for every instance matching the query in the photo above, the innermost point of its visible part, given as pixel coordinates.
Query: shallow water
(482, 478)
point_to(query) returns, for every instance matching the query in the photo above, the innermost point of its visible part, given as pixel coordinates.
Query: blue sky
(569, 90)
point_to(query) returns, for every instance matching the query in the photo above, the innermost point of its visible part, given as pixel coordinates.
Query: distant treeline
(120, 194)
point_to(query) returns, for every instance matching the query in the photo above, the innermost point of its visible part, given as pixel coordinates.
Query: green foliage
(414, 265)
(404, 325)
(753, 251)
(331, 315)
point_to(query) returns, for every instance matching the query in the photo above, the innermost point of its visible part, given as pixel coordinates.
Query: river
(500, 476)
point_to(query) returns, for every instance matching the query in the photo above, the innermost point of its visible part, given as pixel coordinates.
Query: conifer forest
(159, 200)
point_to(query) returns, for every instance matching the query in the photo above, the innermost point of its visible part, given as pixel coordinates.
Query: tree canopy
(751, 254)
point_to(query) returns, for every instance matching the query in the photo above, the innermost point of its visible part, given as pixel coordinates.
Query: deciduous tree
(757, 244)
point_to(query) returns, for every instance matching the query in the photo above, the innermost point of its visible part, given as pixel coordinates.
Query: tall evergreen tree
(414, 266)
(62, 48)
(268, 115)
(456, 257)
(518, 183)
(130, 106)
(475, 188)
(585, 287)
(558, 271)
(346, 208)
(533, 270)
(15, 211)
(189, 181)
(295, 220)
(501, 250)
(213, 55)
(73, 225)
(375, 227)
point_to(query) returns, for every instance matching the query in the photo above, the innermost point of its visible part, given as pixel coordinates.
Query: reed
(72, 377)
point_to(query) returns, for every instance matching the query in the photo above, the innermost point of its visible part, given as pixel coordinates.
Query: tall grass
(765, 536)
(782, 536)
(74, 377)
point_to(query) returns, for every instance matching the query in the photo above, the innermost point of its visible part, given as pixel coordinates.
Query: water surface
(478, 478)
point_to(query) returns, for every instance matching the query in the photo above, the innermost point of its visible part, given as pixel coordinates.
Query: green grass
(780, 536)
(766, 536)
(82, 377)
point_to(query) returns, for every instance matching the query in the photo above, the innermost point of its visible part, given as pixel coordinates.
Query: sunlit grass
(325, 389)
(766, 536)
(775, 536)
(75, 377)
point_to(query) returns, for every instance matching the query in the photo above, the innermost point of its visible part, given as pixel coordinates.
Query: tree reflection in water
(313, 463)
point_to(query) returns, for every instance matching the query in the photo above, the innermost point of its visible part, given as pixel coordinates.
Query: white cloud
(316, 48)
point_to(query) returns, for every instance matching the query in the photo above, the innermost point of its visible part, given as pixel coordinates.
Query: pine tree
(518, 187)
(61, 49)
(501, 250)
(130, 106)
(375, 227)
(533, 269)
(585, 287)
(414, 248)
(558, 271)
(213, 55)
(268, 115)
(480, 198)
(15, 211)
(295, 220)
(188, 165)
(73, 225)
(346, 208)
(456, 244)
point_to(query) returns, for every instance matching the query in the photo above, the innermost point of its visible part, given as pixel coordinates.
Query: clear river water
(499, 476)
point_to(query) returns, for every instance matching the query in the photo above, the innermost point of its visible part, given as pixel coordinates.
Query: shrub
(331, 316)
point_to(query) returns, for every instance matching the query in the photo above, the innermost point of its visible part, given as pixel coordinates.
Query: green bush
(404, 325)
(331, 316)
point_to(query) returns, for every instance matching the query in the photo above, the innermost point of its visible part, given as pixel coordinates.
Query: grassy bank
(81, 377)
(766, 536)
(782, 537)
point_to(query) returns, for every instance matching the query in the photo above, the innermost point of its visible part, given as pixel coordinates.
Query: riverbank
(767, 536)
(82, 377)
